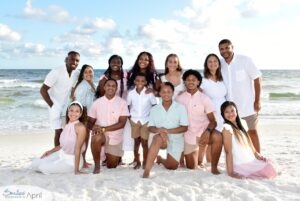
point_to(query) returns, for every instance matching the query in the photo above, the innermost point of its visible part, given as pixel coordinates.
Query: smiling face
(88, 74)
(212, 64)
(74, 112)
(115, 64)
(230, 113)
(172, 63)
(110, 88)
(140, 82)
(143, 61)
(191, 83)
(226, 50)
(166, 93)
(72, 61)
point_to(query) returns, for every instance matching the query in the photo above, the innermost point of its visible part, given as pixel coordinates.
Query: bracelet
(103, 129)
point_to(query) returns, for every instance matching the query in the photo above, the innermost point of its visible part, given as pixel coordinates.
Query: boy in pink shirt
(107, 118)
(202, 124)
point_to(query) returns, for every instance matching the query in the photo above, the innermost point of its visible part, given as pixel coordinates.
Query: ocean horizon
(24, 111)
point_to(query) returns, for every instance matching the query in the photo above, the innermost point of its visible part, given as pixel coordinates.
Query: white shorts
(56, 120)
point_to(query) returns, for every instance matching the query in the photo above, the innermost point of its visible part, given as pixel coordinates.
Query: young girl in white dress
(66, 157)
(242, 160)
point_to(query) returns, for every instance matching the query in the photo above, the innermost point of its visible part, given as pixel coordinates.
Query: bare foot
(138, 165)
(181, 164)
(133, 162)
(96, 170)
(215, 171)
(158, 159)
(201, 165)
(146, 174)
(86, 165)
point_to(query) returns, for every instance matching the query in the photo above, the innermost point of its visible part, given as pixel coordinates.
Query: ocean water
(23, 111)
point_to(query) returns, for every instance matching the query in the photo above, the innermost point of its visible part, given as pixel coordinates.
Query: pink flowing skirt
(257, 169)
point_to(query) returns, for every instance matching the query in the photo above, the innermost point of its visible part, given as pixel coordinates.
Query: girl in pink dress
(242, 160)
(67, 156)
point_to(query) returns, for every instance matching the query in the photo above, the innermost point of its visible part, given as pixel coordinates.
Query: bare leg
(96, 143)
(85, 163)
(57, 136)
(216, 149)
(201, 152)
(208, 153)
(157, 142)
(170, 163)
(181, 163)
(192, 160)
(145, 151)
(137, 142)
(255, 139)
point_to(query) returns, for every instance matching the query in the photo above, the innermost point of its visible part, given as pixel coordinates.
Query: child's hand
(96, 130)
(204, 139)
(149, 90)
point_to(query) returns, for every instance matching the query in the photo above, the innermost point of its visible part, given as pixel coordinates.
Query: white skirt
(56, 163)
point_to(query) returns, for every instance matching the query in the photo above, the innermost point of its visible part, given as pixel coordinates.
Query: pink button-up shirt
(107, 112)
(198, 106)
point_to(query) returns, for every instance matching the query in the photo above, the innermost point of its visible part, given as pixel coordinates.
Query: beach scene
(28, 54)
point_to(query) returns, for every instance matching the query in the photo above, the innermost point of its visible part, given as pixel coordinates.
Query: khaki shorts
(190, 148)
(139, 130)
(115, 150)
(251, 121)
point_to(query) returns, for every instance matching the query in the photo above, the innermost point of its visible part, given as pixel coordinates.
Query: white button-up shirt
(140, 105)
(238, 77)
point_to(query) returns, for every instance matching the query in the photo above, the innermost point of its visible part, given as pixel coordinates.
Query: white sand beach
(279, 141)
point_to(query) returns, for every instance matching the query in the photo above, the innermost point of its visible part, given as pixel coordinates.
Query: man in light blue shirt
(169, 120)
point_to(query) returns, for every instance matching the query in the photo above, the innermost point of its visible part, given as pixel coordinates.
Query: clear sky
(39, 33)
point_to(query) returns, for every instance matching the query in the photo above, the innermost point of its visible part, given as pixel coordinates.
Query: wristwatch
(103, 129)
(209, 130)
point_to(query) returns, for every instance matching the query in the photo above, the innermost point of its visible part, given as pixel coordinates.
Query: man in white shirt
(243, 81)
(56, 88)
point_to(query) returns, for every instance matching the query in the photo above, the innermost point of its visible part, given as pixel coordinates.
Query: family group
(191, 116)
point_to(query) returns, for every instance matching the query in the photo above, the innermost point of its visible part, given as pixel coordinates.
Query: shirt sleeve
(93, 111)
(227, 127)
(81, 94)
(252, 69)
(184, 120)
(208, 105)
(153, 99)
(51, 78)
(129, 99)
(151, 118)
(124, 108)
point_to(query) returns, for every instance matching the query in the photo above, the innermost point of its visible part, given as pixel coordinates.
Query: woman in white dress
(242, 160)
(214, 87)
(173, 74)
